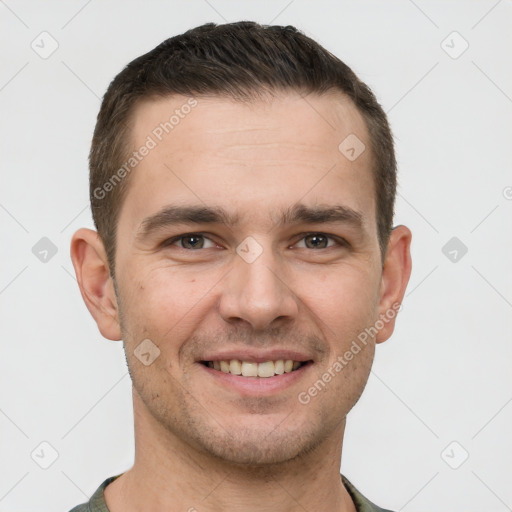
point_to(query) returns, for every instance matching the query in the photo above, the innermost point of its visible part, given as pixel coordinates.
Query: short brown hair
(238, 60)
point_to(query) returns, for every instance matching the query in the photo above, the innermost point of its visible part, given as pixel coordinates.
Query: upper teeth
(250, 369)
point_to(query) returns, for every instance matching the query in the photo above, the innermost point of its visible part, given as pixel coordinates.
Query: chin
(256, 453)
(257, 446)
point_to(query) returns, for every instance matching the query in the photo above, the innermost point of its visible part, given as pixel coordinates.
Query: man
(242, 186)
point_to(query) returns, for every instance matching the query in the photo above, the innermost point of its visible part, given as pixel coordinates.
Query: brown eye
(317, 241)
(191, 241)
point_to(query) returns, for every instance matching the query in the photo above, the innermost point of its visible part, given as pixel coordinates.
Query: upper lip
(256, 356)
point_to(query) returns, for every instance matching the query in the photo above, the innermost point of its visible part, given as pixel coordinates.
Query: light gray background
(444, 376)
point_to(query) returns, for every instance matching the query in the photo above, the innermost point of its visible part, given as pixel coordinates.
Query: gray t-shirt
(97, 501)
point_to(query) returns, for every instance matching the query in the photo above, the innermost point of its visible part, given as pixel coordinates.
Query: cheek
(345, 298)
(165, 302)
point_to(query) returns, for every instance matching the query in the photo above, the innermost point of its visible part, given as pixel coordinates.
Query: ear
(395, 276)
(96, 285)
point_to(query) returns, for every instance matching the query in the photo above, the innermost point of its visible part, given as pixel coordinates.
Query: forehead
(253, 158)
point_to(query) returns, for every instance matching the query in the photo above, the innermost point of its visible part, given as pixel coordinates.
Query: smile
(252, 369)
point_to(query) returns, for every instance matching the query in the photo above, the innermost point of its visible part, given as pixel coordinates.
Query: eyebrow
(300, 213)
(296, 214)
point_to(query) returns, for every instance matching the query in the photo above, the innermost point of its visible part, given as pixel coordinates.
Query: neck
(169, 474)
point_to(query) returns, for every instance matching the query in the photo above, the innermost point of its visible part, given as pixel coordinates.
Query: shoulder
(84, 507)
(362, 503)
(97, 501)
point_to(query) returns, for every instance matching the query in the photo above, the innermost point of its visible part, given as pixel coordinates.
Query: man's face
(313, 287)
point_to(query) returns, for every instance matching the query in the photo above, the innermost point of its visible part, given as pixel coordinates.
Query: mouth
(251, 369)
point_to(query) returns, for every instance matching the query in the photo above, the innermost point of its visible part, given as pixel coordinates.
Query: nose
(258, 293)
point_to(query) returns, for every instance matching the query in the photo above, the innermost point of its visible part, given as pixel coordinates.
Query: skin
(197, 443)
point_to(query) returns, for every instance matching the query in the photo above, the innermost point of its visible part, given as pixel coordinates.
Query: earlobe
(96, 285)
(395, 276)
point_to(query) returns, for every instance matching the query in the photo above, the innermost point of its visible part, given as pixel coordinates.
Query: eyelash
(339, 241)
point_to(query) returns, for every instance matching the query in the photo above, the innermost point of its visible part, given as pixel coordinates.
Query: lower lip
(250, 386)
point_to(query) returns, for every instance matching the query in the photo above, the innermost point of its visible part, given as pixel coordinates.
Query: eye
(320, 241)
(191, 241)
(195, 241)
